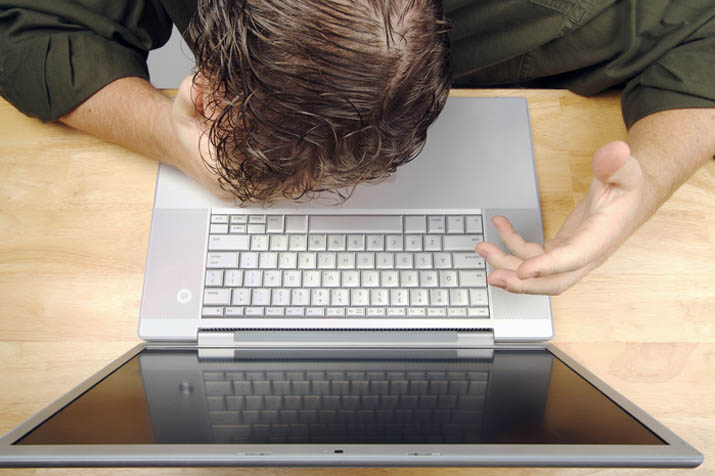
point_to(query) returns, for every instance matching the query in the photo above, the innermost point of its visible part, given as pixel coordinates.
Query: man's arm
(631, 181)
(132, 113)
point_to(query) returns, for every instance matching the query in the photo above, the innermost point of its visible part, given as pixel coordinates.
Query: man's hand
(189, 145)
(595, 228)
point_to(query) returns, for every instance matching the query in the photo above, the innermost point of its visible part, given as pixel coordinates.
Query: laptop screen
(500, 396)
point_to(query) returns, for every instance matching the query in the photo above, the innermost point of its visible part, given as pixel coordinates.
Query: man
(299, 96)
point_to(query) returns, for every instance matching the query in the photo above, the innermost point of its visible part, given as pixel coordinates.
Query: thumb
(613, 164)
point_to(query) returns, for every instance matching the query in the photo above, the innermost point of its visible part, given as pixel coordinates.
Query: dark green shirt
(56, 53)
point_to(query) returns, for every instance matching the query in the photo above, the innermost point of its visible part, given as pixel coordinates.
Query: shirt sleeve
(54, 54)
(682, 78)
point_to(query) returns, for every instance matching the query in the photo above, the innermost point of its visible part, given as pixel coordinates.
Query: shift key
(461, 242)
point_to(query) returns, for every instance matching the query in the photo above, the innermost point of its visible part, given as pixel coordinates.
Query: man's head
(312, 95)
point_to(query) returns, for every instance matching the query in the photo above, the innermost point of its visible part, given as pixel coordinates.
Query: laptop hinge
(347, 338)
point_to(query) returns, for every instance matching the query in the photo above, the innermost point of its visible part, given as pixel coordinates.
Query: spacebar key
(355, 224)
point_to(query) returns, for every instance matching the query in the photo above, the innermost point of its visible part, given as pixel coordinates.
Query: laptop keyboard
(345, 266)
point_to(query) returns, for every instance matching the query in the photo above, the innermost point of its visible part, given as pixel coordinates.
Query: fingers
(613, 164)
(513, 241)
(549, 285)
(496, 257)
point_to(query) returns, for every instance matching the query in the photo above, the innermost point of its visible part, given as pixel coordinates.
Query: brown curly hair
(316, 95)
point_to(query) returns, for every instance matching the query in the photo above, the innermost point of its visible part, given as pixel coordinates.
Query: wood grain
(74, 225)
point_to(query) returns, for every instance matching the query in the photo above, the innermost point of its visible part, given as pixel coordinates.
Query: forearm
(129, 112)
(670, 146)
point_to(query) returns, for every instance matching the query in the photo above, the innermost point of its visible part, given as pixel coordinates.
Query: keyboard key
(356, 242)
(428, 279)
(423, 260)
(287, 260)
(279, 242)
(295, 312)
(416, 312)
(355, 224)
(253, 278)
(346, 260)
(296, 224)
(472, 279)
(331, 279)
(474, 224)
(336, 242)
(478, 312)
(335, 312)
(408, 279)
(448, 279)
(433, 243)
(214, 278)
(396, 312)
(438, 297)
(365, 260)
(249, 260)
(413, 243)
(435, 224)
(399, 297)
(351, 279)
(272, 278)
(214, 297)
(261, 219)
(389, 279)
(457, 312)
(260, 297)
(459, 297)
(237, 229)
(468, 260)
(256, 229)
(241, 297)
(455, 224)
(375, 242)
(217, 228)
(219, 218)
(443, 261)
(359, 297)
(326, 261)
(243, 219)
(259, 243)
(461, 242)
(356, 312)
(339, 297)
(228, 243)
(436, 312)
(298, 242)
(418, 297)
(394, 242)
(403, 261)
(292, 279)
(378, 297)
(370, 279)
(376, 312)
(274, 224)
(212, 312)
(306, 260)
(233, 312)
(415, 224)
(314, 312)
(274, 312)
(478, 297)
(311, 279)
(268, 260)
(280, 297)
(253, 311)
(317, 242)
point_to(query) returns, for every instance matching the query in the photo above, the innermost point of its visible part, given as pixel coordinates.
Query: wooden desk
(74, 225)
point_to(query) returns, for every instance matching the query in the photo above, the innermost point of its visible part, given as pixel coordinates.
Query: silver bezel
(677, 453)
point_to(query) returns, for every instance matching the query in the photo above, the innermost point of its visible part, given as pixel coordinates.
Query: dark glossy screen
(492, 397)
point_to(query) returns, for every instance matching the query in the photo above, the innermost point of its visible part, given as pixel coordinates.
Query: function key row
(435, 224)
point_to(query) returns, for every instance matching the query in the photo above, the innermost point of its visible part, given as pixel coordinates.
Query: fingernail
(482, 253)
(533, 274)
(499, 283)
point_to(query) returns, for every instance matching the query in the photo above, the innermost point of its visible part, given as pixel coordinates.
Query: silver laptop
(355, 334)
